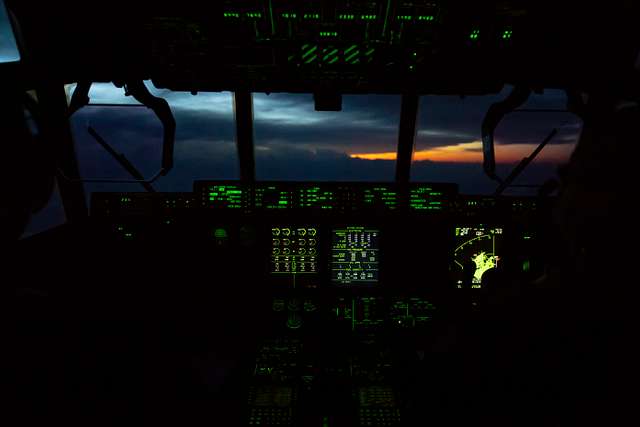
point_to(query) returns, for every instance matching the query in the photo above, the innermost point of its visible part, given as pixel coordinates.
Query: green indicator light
(405, 17)
(289, 15)
(527, 237)
(353, 55)
(506, 35)
(254, 14)
(231, 15)
(221, 233)
(426, 18)
(368, 17)
(311, 16)
(309, 52)
(475, 35)
(346, 17)
(330, 54)
(283, 202)
(350, 49)
(526, 266)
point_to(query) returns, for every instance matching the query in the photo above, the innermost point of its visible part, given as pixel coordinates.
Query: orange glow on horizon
(472, 153)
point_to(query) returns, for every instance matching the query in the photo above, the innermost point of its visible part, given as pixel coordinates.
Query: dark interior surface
(210, 333)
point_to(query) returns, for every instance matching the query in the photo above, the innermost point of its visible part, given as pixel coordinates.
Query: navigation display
(477, 250)
(355, 256)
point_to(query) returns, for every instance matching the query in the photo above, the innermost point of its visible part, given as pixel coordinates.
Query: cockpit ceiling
(356, 46)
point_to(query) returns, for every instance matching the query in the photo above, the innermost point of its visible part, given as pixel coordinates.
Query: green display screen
(477, 250)
(298, 196)
(294, 250)
(316, 197)
(355, 255)
(380, 197)
(224, 196)
(426, 198)
(272, 197)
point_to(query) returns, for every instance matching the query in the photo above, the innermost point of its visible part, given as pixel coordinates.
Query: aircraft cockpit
(320, 213)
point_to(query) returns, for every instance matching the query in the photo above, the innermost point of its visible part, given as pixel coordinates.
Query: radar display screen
(477, 250)
(354, 256)
(294, 250)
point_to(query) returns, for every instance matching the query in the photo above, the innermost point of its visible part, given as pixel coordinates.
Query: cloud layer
(294, 142)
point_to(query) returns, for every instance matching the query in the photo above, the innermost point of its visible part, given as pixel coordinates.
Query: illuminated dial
(293, 251)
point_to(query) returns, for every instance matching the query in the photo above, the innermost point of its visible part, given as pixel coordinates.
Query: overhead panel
(348, 46)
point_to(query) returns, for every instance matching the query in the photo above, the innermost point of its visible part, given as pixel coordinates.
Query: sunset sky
(294, 142)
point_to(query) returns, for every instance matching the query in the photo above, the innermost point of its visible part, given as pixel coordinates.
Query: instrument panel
(344, 284)
(326, 198)
(361, 236)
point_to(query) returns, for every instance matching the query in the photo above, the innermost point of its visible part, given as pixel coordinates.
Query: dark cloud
(294, 164)
(450, 120)
(366, 123)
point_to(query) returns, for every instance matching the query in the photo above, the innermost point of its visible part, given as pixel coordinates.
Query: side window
(520, 133)
(449, 142)
(204, 147)
(8, 48)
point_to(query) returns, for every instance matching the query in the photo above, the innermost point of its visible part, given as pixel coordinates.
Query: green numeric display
(225, 196)
(354, 255)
